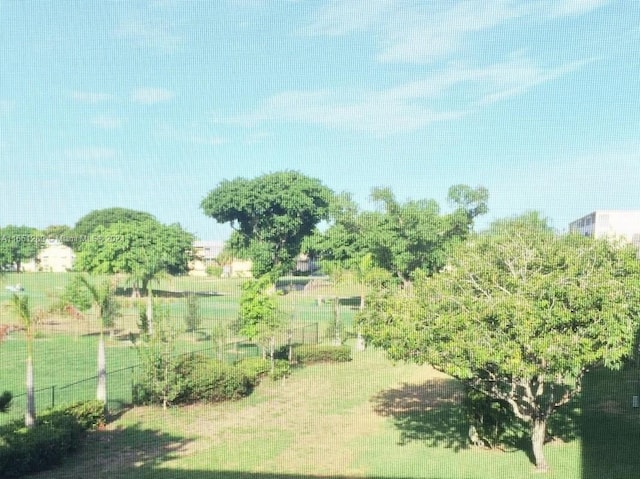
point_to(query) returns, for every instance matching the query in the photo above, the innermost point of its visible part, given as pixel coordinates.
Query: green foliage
(89, 414)
(86, 226)
(272, 215)
(140, 249)
(489, 417)
(158, 380)
(256, 368)
(193, 315)
(400, 238)
(76, 294)
(321, 353)
(103, 298)
(193, 378)
(214, 270)
(258, 316)
(18, 244)
(27, 450)
(520, 312)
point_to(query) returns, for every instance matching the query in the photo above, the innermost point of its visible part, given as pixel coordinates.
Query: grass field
(366, 418)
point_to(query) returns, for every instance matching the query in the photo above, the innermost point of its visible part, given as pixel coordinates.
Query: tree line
(517, 312)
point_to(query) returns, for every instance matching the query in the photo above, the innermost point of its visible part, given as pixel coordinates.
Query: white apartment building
(54, 257)
(619, 224)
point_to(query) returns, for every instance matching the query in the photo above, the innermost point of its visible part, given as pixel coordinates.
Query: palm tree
(142, 277)
(23, 312)
(107, 309)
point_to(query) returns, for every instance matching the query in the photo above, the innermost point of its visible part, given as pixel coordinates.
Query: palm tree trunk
(101, 391)
(30, 413)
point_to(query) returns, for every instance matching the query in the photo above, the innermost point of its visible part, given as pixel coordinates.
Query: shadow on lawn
(610, 426)
(432, 413)
(143, 453)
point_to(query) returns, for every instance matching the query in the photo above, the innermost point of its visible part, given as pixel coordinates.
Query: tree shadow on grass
(429, 412)
(609, 425)
(432, 413)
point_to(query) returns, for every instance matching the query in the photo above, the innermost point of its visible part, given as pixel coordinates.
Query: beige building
(55, 257)
(617, 224)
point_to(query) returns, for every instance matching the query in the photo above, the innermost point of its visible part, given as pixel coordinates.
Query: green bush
(254, 368)
(321, 353)
(195, 378)
(89, 414)
(24, 450)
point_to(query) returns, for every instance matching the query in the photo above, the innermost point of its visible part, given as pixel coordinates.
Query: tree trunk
(538, 434)
(101, 391)
(30, 413)
(150, 310)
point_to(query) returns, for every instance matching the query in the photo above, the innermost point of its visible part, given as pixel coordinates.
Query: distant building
(205, 254)
(621, 224)
(55, 257)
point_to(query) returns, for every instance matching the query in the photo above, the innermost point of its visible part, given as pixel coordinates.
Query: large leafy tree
(143, 250)
(399, 237)
(87, 225)
(18, 244)
(519, 313)
(271, 214)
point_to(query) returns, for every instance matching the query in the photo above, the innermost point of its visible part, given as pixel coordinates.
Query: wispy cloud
(575, 7)
(409, 106)
(423, 32)
(92, 97)
(150, 96)
(150, 30)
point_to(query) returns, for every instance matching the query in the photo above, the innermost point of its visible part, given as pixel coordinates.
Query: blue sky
(150, 104)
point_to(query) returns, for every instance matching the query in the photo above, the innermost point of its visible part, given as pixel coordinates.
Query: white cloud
(409, 106)
(150, 96)
(151, 31)
(91, 97)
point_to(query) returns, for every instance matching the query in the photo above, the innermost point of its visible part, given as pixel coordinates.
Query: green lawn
(367, 418)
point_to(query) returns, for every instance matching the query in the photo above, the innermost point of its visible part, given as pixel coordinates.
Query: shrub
(193, 316)
(89, 414)
(195, 378)
(56, 434)
(321, 353)
(254, 368)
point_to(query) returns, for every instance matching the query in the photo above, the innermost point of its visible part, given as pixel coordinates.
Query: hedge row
(321, 353)
(57, 434)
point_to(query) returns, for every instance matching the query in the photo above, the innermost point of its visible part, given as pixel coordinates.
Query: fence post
(53, 396)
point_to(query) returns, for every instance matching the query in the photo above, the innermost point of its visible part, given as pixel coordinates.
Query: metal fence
(120, 381)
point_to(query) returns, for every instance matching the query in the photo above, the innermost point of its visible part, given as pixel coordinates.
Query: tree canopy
(18, 244)
(139, 249)
(271, 214)
(400, 237)
(519, 313)
(86, 226)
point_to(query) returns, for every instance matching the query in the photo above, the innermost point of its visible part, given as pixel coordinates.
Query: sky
(150, 104)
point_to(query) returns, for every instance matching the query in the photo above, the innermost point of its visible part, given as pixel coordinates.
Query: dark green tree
(519, 313)
(87, 225)
(18, 244)
(271, 214)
